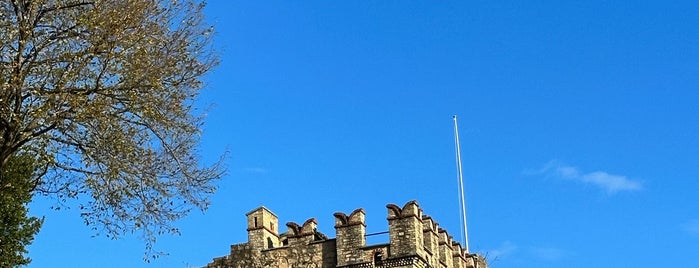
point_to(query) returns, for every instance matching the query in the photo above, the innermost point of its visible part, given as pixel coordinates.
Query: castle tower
(262, 229)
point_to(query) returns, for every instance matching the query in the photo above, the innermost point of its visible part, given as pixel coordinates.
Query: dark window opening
(255, 220)
(270, 244)
(378, 256)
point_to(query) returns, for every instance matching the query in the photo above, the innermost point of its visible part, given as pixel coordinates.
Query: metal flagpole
(462, 201)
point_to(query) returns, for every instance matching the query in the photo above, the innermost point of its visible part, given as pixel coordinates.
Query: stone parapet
(415, 241)
(431, 240)
(445, 248)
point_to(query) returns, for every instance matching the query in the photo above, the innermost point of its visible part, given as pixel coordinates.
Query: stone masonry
(415, 241)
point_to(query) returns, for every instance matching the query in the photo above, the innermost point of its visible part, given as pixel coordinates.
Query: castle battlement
(415, 240)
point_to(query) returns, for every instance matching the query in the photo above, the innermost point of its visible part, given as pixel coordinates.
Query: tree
(16, 229)
(101, 92)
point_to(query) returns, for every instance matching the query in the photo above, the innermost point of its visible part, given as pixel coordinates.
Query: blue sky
(579, 123)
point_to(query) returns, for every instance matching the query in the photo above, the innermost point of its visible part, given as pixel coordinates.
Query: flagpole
(462, 200)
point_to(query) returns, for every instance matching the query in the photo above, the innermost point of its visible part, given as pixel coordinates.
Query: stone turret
(350, 237)
(405, 230)
(262, 228)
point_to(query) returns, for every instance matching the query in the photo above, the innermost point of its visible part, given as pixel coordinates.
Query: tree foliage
(17, 230)
(101, 92)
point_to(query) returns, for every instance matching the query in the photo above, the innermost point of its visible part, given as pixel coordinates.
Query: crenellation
(301, 234)
(415, 241)
(351, 237)
(445, 248)
(358, 216)
(431, 240)
(468, 262)
(410, 209)
(457, 255)
(405, 230)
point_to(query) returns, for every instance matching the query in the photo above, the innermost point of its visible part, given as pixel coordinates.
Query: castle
(415, 241)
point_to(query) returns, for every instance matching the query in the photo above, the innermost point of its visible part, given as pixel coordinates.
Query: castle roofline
(414, 240)
(261, 208)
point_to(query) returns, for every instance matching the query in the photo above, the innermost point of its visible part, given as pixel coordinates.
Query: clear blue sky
(579, 125)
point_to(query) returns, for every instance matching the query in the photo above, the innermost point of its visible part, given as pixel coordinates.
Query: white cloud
(506, 248)
(608, 182)
(692, 227)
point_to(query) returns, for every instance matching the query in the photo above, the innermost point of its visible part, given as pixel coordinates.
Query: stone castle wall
(415, 240)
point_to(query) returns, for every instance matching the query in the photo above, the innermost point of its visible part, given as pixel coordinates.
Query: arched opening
(378, 256)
